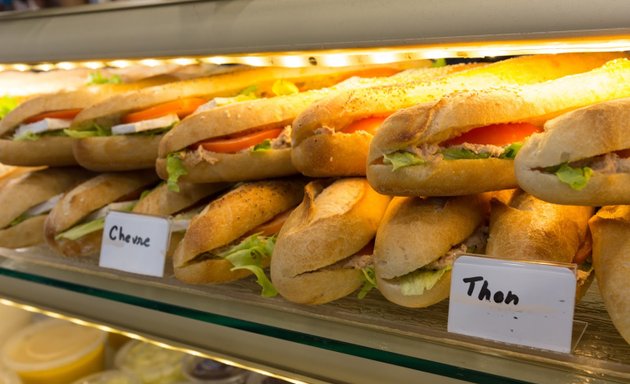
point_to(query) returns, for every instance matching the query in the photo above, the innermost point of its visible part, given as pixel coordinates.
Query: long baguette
(321, 148)
(422, 132)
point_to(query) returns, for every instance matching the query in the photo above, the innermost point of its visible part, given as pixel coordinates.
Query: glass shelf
(369, 338)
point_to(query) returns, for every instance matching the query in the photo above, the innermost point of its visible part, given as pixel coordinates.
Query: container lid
(110, 377)
(257, 378)
(50, 344)
(150, 363)
(207, 371)
(8, 377)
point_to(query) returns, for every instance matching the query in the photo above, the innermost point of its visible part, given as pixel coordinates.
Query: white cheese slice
(179, 224)
(43, 125)
(44, 207)
(145, 125)
(121, 206)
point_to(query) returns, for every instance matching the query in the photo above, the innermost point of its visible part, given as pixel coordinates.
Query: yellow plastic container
(7, 376)
(54, 352)
(152, 364)
(110, 377)
(12, 320)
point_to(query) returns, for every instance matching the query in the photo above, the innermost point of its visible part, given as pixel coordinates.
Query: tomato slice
(369, 125)
(238, 143)
(66, 114)
(495, 134)
(181, 107)
(624, 153)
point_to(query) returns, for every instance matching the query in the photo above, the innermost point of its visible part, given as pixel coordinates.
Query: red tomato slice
(496, 134)
(238, 143)
(370, 125)
(181, 107)
(66, 114)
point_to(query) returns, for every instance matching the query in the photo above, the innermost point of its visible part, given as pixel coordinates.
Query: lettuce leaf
(7, 104)
(19, 219)
(81, 230)
(438, 63)
(94, 131)
(510, 151)
(98, 78)
(415, 283)
(249, 254)
(461, 153)
(27, 136)
(369, 283)
(175, 169)
(284, 88)
(401, 159)
(264, 146)
(576, 178)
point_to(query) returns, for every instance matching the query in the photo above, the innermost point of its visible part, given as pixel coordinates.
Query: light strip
(135, 336)
(363, 56)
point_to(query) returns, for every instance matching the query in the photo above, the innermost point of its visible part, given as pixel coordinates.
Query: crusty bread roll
(610, 228)
(111, 111)
(163, 202)
(24, 191)
(416, 232)
(278, 112)
(591, 137)
(86, 198)
(526, 228)
(333, 223)
(322, 149)
(54, 150)
(424, 128)
(523, 227)
(225, 221)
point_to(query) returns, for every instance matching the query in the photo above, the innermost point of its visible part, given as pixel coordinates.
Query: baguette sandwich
(610, 228)
(123, 133)
(332, 137)
(324, 250)
(418, 241)
(180, 206)
(466, 142)
(582, 157)
(234, 235)
(34, 133)
(248, 140)
(27, 198)
(523, 227)
(75, 225)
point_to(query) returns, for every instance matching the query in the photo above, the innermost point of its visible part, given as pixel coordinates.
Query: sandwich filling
(259, 141)
(576, 174)
(37, 210)
(95, 221)
(52, 123)
(251, 252)
(423, 279)
(499, 141)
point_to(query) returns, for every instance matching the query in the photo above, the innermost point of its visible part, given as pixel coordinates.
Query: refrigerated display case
(351, 340)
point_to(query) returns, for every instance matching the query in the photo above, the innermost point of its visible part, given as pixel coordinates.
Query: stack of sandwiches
(414, 165)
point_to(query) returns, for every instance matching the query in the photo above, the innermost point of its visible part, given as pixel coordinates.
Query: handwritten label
(522, 303)
(135, 243)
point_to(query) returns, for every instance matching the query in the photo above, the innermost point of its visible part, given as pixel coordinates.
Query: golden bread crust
(117, 153)
(87, 197)
(611, 252)
(225, 220)
(53, 151)
(546, 232)
(27, 233)
(231, 167)
(333, 222)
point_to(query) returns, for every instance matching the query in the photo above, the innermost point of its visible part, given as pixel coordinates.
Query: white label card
(514, 302)
(135, 243)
